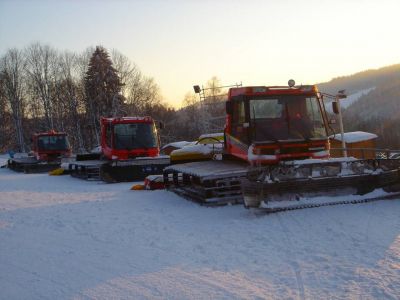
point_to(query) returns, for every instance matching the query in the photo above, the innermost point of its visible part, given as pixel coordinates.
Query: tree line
(42, 88)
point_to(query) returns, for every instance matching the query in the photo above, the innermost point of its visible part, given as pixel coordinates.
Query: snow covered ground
(63, 238)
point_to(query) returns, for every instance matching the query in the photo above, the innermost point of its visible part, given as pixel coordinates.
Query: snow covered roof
(178, 145)
(354, 137)
(215, 135)
(204, 149)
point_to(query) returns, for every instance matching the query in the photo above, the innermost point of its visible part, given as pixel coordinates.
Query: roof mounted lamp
(197, 89)
(291, 83)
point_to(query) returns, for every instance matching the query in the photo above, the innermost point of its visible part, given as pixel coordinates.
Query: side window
(238, 119)
(239, 114)
(315, 116)
(108, 135)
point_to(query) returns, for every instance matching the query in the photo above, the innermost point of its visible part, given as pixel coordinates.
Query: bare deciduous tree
(50, 93)
(41, 68)
(12, 70)
(69, 96)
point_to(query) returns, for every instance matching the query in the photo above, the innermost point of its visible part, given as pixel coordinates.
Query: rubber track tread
(341, 202)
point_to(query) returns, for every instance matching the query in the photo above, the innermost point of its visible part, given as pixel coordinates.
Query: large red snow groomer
(48, 148)
(130, 150)
(266, 125)
(276, 153)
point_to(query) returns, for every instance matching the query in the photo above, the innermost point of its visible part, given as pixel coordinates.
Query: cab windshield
(53, 142)
(134, 136)
(286, 117)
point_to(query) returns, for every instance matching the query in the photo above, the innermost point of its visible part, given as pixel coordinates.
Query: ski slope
(63, 238)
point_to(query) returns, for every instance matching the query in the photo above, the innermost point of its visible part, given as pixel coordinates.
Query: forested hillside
(378, 111)
(42, 88)
(361, 80)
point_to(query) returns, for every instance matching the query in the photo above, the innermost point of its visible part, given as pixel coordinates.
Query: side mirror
(229, 107)
(335, 107)
(341, 94)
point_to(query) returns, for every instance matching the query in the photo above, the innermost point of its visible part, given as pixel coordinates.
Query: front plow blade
(314, 185)
(31, 165)
(133, 170)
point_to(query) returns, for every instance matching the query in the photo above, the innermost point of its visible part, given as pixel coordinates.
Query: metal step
(210, 183)
(88, 170)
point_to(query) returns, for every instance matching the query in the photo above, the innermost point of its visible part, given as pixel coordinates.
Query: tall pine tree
(103, 89)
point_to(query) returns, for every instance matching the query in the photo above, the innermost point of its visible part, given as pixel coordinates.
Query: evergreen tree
(102, 88)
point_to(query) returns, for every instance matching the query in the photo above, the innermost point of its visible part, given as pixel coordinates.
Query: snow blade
(118, 171)
(136, 170)
(131, 172)
(317, 184)
(31, 165)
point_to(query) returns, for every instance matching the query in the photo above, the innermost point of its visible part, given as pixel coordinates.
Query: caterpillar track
(338, 202)
(287, 186)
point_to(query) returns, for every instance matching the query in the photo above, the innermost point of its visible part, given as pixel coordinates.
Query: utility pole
(337, 110)
(341, 124)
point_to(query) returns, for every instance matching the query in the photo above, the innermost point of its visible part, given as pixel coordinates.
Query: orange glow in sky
(182, 43)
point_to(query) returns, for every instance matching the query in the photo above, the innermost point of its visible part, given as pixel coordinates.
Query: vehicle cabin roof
(273, 90)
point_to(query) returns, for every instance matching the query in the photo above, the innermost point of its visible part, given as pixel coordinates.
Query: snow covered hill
(62, 238)
(355, 97)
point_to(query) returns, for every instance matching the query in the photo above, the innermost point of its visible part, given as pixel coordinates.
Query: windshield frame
(40, 139)
(318, 132)
(130, 142)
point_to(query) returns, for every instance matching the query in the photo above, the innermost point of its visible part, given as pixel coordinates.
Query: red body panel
(111, 153)
(48, 155)
(273, 152)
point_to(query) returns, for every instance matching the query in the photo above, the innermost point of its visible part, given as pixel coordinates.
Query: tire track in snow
(293, 262)
(181, 283)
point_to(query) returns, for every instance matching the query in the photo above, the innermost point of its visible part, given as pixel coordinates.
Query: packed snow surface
(354, 137)
(63, 238)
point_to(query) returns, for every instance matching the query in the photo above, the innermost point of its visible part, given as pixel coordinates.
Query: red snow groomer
(276, 156)
(48, 148)
(130, 150)
(266, 125)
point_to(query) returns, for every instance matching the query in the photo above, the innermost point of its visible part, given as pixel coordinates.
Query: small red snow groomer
(130, 150)
(48, 148)
(276, 156)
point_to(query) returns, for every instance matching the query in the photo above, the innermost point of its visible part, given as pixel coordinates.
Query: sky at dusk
(182, 43)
